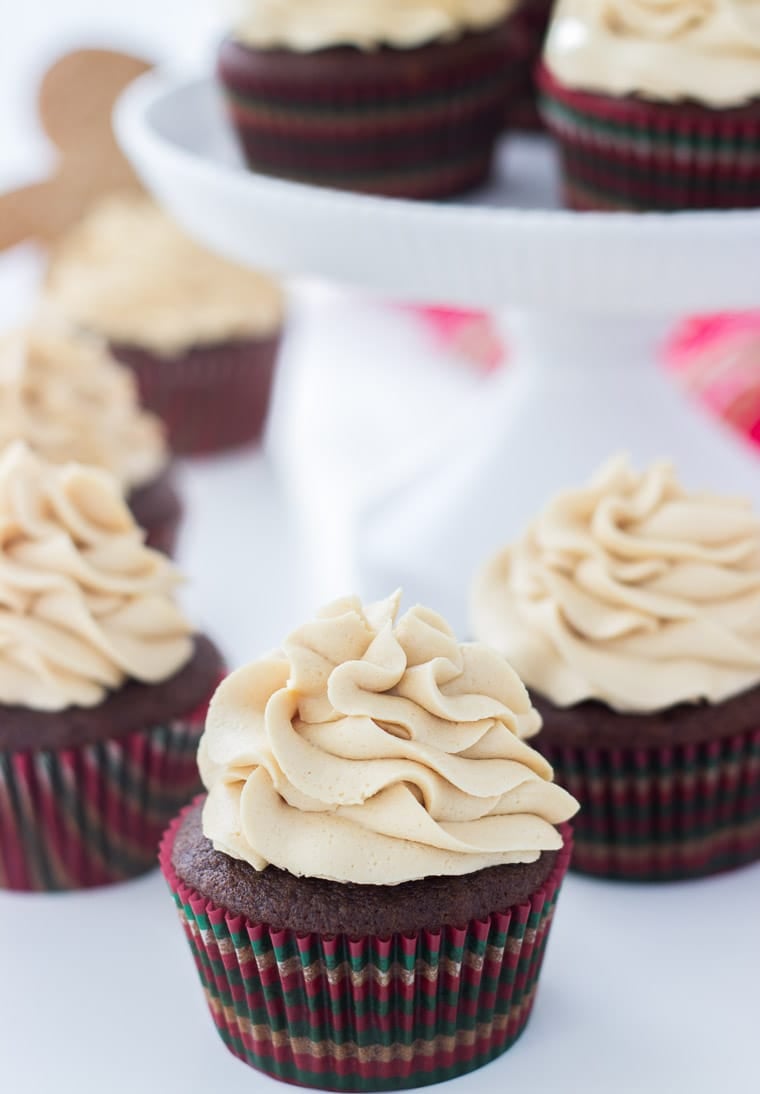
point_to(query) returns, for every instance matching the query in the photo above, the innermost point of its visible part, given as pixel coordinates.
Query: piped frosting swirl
(707, 51)
(632, 591)
(66, 396)
(377, 750)
(84, 605)
(308, 25)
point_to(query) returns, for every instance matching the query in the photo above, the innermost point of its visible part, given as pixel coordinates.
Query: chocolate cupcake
(368, 887)
(200, 333)
(631, 608)
(103, 684)
(656, 106)
(71, 401)
(398, 97)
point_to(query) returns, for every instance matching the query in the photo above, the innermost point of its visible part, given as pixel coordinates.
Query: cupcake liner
(416, 123)
(661, 814)
(368, 1013)
(79, 817)
(528, 25)
(162, 535)
(629, 153)
(210, 398)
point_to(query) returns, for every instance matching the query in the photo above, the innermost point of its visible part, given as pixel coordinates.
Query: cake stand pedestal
(588, 295)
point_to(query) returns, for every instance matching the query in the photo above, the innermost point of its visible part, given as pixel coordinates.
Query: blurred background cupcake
(200, 333)
(631, 608)
(655, 105)
(398, 97)
(103, 682)
(71, 401)
(380, 835)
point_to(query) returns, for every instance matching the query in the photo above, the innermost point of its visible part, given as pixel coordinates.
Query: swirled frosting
(631, 591)
(307, 25)
(667, 50)
(66, 396)
(129, 273)
(377, 751)
(84, 605)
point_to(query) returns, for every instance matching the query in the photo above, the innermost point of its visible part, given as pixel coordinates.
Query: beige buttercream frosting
(377, 750)
(129, 273)
(667, 50)
(307, 25)
(632, 591)
(84, 605)
(66, 396)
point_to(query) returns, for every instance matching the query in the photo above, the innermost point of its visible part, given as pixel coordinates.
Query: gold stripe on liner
(659, 848)
(292, 966)
(365, 1054)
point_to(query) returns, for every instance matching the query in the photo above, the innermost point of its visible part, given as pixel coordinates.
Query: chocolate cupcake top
(308, 25)
(70, 400)
(707, 51)
(130, 274)
(632, 591)
(377, 750)
(84, 605)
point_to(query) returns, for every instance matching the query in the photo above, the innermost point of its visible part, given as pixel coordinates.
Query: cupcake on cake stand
(588, 297)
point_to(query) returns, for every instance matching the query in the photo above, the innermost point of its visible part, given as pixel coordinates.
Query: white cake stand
(587, 295)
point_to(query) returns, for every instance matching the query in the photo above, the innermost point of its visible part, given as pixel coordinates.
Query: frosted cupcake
(398, 97)
(656, 103)
(70, 401)
(103, 682)
(200, 333)
(631, 608)
(369, 885)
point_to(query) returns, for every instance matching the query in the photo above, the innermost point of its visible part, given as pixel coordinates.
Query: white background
(645, 988)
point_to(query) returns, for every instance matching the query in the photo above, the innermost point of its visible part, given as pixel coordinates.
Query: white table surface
(644, 988)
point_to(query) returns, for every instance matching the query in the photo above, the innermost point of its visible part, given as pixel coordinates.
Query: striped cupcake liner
(92, 815)
(210, 398)
(628, 153)
(661, 814)
(368, 1013)
(404, 123)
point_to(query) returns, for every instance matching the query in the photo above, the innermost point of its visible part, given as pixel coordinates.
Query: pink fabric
(717, 358)
(470, 335)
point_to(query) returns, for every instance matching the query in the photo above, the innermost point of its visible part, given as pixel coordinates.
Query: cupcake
(200, 333)
(368, 887)
(103, 684)
(69, 400)
(655, 104)
(398, 97)
(631, 608)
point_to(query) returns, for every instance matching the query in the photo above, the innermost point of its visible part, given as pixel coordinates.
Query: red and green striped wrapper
(415, 123)
(210, 398)
(627, 153)
(368, 1013)
(75, 818)
(663, 814)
